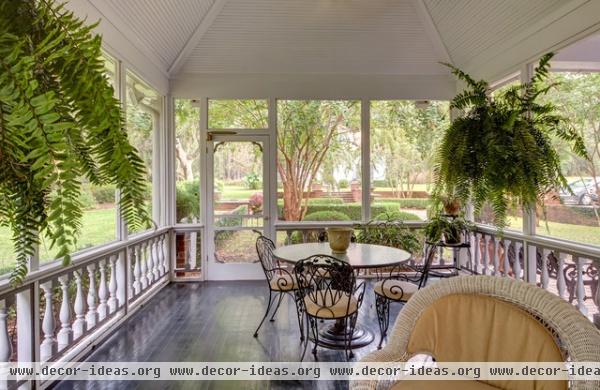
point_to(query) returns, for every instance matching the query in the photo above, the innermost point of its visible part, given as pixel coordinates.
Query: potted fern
(500, 150)
(60, 124)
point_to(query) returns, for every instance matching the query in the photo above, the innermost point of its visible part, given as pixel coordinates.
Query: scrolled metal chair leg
(266, 314)
(382, 305)
(277, 307)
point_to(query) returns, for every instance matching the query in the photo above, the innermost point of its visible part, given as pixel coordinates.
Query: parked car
(585, 192)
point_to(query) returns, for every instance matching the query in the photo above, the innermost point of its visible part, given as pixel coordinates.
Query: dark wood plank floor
(214, 321)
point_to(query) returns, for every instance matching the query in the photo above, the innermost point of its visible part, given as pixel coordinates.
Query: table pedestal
(332, 336)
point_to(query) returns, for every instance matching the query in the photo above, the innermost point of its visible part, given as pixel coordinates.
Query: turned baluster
(517, 261)
(5, 343)
(92, 315)
(485, 258)
(102, 292)
(112, 286)
(580, 285)
(157, 271)
(79, 306)
(495, 258)
(143, 266)
(48, 345)
(137, 285)
(163, 254)
(477, 254)
(65, 334)
(560, 275)
(506, 259)
(164, 266)
(148, 248)
(545, 279)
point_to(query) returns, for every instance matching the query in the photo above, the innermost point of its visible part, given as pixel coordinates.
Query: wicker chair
(332, 297)
(401, 283)
(279, 280)
(486, 318)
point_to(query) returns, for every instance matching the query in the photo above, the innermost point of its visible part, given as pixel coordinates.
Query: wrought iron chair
(403, 281)
(279, 280)
(336, 297)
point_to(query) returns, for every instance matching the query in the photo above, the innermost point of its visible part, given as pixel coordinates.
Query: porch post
(529, 216)
(365, 145)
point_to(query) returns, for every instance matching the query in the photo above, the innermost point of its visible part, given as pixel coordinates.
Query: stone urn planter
(339, 238)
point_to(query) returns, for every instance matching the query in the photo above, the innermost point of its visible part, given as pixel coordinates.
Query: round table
(359, 256)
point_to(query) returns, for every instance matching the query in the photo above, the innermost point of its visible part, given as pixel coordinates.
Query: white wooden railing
(61, 312)
(567, 269)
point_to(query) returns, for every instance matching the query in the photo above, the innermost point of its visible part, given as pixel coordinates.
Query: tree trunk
(182, 157)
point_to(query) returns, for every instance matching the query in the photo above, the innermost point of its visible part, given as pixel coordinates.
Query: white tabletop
(358, 255)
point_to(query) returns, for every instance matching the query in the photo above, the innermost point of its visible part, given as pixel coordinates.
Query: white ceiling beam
(432, 31)
(196, 36)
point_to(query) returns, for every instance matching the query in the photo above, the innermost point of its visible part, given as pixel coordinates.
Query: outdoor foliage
(501, 149)
(390, 232)
(59, 123)
(402, 138)
(326, 215)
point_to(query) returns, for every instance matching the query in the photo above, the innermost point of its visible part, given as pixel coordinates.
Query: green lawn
(586, 234)
(231, 192)
(99, 227)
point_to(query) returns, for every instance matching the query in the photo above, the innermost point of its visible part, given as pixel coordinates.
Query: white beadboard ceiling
(362, 37)
(162, 26)
(316, 36)
(471, 27)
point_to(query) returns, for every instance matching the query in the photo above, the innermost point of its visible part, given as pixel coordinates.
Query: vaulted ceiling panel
(316, 36)
(470, 27)
(163, 26)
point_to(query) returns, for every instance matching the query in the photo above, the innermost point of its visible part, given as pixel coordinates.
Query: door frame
(234, 271)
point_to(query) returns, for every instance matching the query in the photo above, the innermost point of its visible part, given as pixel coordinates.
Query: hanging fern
(59, 122)
(500, 150)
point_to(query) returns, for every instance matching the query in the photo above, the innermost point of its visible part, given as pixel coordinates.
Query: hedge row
(354, 213)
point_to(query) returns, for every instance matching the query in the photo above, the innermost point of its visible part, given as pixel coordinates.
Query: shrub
(322, 201)
(396, 216)
(343, 183)
(252, 181)
(407, 203)
(187, 199)
(326, 215)
(87, 199)
(104, 194)
(380, 183)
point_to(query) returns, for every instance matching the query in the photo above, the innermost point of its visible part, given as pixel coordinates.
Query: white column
(79, 306)
(579, 262)
(48, 345)
(92, 315)
(112, 286)
(65, 334)
(102, 292)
